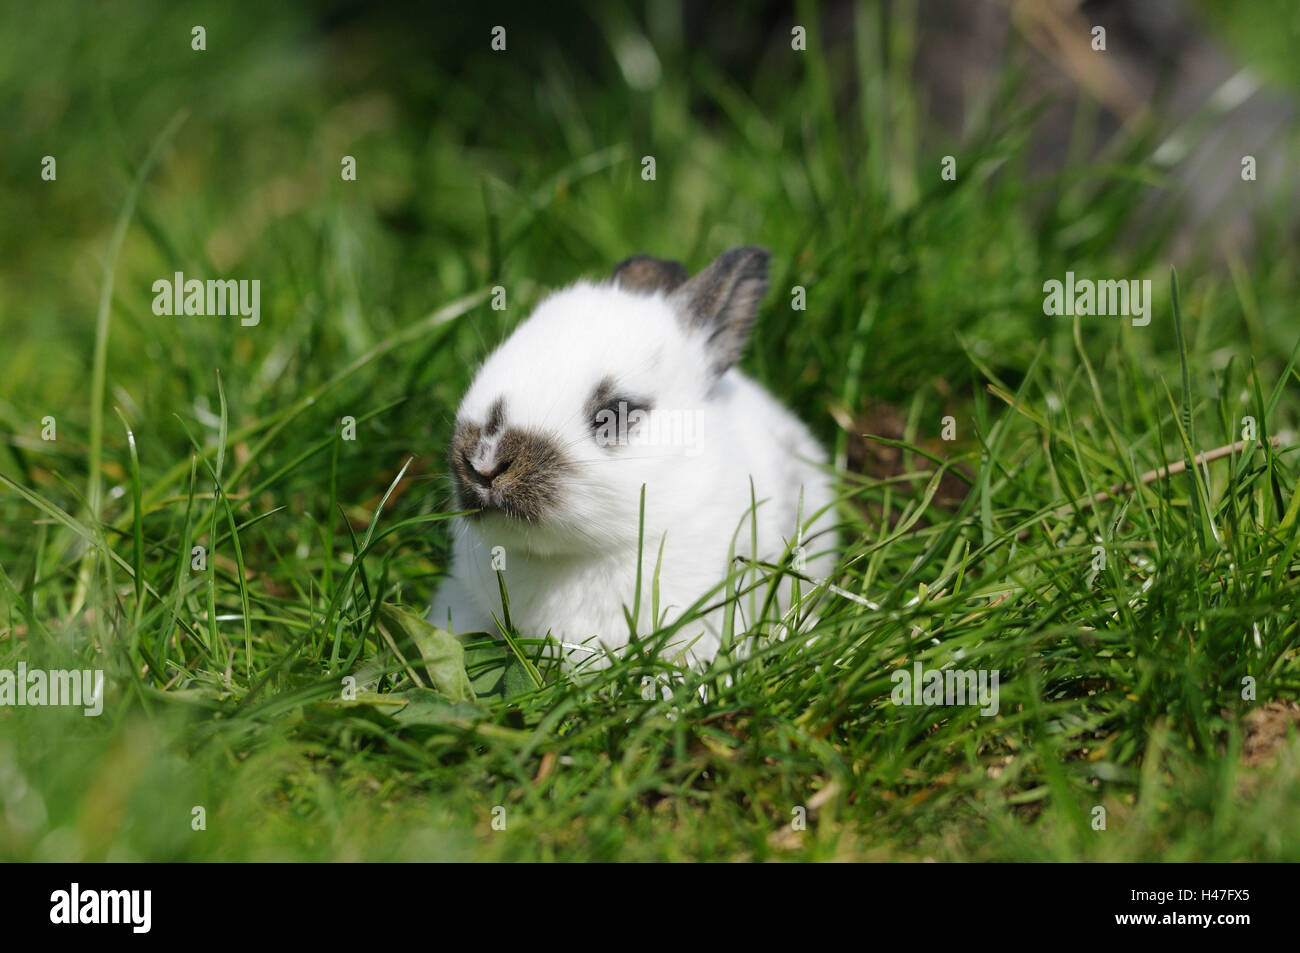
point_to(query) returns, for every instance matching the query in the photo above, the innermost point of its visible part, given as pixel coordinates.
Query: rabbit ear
(646, 275)
(722, 301)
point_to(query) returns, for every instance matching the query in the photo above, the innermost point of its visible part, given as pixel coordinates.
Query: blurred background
(476, 167)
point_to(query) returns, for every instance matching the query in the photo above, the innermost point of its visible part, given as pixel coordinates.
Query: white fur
(573, 574)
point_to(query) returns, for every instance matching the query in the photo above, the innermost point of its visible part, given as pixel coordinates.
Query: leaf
(431, 656)
(517, 681)
(422, 706)
(500, 673)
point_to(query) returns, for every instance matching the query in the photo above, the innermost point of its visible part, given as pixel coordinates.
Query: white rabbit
(606, 388)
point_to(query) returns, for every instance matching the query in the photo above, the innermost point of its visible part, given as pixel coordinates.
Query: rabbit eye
(620, 411)
(613, 416)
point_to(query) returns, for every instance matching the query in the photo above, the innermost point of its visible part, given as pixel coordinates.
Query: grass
(1121, 684)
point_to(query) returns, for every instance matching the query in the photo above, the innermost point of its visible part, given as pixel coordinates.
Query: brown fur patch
(644, 274)
(525, 482)
(496, 417)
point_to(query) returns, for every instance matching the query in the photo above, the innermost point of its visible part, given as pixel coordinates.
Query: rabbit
(608, 387)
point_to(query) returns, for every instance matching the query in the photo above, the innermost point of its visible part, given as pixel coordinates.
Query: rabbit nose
(485, 478)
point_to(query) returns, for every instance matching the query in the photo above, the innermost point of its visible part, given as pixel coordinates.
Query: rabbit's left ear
(646, 275)
(722, 302)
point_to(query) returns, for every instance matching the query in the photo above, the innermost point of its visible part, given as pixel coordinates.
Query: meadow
(270, 695)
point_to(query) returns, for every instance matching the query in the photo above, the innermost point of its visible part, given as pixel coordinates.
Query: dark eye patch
(607, 403)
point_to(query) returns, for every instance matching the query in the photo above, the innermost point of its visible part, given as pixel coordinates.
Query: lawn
(997, 502)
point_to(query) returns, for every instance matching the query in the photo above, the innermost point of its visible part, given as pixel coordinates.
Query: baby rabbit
(606, 388)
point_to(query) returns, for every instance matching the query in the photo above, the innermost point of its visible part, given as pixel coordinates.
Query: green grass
(1120, 688)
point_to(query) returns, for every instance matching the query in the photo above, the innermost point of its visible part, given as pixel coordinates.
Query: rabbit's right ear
(722, 302)
(646, 275)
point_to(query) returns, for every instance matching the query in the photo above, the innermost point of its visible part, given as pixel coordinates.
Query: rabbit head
(604, 388)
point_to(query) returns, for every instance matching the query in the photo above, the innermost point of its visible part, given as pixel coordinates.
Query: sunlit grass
(1121, 681)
